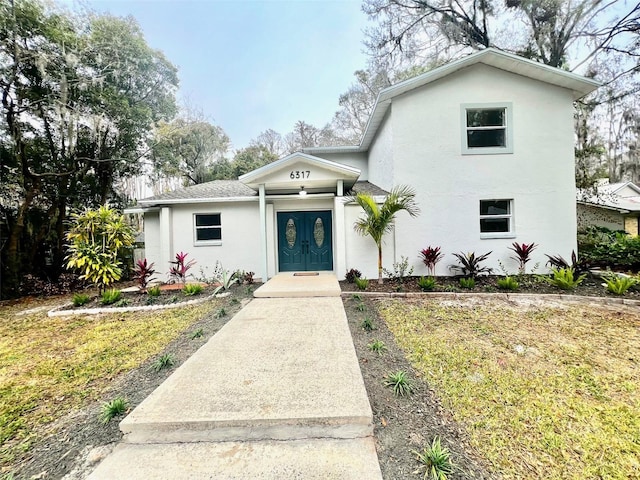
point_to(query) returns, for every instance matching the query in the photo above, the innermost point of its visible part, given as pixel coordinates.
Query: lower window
(496, 216)
(208, 227)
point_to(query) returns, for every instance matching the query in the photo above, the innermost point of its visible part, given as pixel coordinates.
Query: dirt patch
(79, 441)
(405, 424)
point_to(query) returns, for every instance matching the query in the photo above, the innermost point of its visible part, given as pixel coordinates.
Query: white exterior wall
(381, 156)
(152, 240)
(538, 175)
(361, 252)
(240, 244)
(356, 160)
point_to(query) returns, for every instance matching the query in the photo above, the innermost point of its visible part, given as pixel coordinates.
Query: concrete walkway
(277, 393)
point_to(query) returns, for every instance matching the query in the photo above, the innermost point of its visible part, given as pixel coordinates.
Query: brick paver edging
(60, 312)
(499, 296)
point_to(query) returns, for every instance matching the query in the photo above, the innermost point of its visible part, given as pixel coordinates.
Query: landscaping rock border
(498, 296)
(59, 312)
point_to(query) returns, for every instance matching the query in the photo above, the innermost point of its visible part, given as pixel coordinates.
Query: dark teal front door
(304, 241)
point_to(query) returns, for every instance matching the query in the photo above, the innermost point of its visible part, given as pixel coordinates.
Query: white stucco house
(487, 143)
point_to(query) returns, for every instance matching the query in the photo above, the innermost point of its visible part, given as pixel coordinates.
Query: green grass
(44, 360)
(544, 393)
(115, 408)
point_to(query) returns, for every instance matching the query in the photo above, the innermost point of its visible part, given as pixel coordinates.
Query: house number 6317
(299, 174)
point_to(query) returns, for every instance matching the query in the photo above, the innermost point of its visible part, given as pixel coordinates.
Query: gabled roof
(277, 174)
(579, 85)
(608, 197)
(209, 191)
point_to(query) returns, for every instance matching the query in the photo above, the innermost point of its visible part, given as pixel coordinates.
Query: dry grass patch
(49, 366)
(545, 392)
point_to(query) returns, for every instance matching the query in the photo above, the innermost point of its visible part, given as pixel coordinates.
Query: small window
(208, 227)
(496, 216)
(486, 129)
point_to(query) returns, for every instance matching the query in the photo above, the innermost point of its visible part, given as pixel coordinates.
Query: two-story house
(486, 142)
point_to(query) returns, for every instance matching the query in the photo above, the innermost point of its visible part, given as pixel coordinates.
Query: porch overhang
(300, 171)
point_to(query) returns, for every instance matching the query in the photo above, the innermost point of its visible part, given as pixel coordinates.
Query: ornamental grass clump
(115, 408)
(399, 382)
(437, 460)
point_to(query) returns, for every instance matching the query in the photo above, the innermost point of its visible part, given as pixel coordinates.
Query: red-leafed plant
(431, 256)
(180, 267)
(142, 274)
(523, 254)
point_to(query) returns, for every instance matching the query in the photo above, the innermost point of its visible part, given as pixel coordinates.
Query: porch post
(263, 233)
(166, 238)
(340, 229)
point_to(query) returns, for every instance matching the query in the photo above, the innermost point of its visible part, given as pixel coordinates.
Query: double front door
(304, 241)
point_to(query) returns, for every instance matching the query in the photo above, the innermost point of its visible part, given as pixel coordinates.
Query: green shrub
(619, 285)
(468, 283)
(361, 283)
(508, 283)
(352, 274)
(111, 296)
(80, 299)
(427, 284)
(401, 270)
(399, 382)
(153, 291)
(95, 239)
(565, 279)
(606, 248)
(367, 324)
(116, 407)
(164, 361)
(437, 460)
(377, 346)
(191, 289)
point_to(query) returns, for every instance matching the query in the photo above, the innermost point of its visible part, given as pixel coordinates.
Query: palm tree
(378, 220)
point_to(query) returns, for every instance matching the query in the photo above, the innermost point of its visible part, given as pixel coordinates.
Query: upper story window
(487, 128)
(496, 218)
(208, 228)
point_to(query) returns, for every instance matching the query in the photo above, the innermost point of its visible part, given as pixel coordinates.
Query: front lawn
(543, 391)
(51, 366)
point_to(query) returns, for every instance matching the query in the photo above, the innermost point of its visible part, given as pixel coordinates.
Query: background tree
(378, 220)
(188, 148)
(80, 94)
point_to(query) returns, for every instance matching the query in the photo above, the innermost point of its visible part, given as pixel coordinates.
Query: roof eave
(182, 201)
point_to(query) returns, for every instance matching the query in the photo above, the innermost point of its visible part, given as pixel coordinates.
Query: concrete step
(282, 368)
(312, 459)
(305, 284)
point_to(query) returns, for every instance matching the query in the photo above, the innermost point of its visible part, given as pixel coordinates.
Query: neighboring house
(485, 141)
(616, 206)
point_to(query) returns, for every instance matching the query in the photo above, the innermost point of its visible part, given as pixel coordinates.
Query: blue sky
(254, 65)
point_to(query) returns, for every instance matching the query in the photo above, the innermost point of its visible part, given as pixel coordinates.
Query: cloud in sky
(254, 65)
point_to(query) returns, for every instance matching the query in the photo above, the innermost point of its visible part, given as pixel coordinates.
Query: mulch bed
(405, 424)
(590, 286)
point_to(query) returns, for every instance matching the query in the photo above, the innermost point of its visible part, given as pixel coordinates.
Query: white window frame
(197, 242)
(510, 216)
(464, 128)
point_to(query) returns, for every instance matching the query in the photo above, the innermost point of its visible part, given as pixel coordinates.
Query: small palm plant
(378, 219)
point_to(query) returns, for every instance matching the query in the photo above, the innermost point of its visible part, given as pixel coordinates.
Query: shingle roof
(369, 189)
(214, 189)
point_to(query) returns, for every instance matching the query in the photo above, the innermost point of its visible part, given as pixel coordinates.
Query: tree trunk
(13, 256)
(380, 264)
